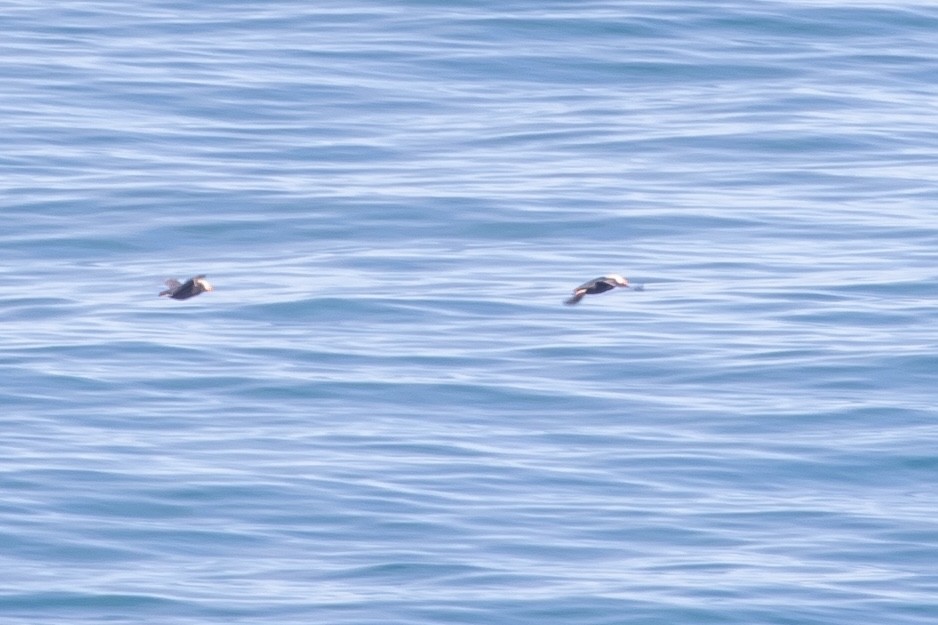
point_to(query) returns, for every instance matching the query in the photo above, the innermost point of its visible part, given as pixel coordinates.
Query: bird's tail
(575, 299)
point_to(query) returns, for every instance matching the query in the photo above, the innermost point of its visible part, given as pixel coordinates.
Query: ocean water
(384, 414)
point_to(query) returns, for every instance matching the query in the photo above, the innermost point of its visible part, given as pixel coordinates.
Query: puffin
(187, 289)
(599, 285)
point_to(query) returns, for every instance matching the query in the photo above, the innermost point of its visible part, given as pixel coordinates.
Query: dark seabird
(599, 285)
(189, 288)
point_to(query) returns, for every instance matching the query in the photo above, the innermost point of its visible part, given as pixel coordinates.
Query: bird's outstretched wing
(171, 285)
(577, 296)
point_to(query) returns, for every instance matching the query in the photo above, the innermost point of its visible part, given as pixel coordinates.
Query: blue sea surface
(384, 414)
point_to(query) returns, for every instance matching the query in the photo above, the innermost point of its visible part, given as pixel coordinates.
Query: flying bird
(599, 285)
(187, 289)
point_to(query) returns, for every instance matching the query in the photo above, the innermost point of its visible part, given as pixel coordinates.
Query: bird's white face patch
(618, 279)
(205, 284)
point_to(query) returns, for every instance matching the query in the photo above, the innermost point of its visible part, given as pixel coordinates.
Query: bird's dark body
(189, 288)
(186, 290)
(599, 285)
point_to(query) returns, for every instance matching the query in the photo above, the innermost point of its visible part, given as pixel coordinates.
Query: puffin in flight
(599, 285)
(187, 289)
